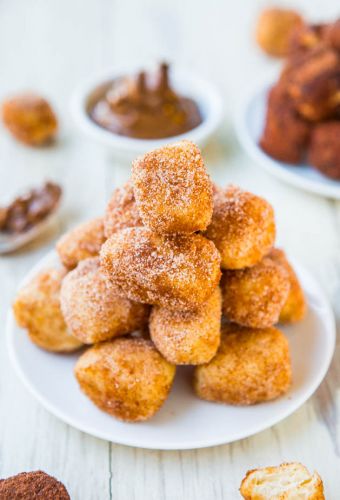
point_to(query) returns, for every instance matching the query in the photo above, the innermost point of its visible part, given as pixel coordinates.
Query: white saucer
(184, 422)
(249, 126)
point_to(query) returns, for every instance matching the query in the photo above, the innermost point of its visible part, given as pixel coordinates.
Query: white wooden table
(50, 46)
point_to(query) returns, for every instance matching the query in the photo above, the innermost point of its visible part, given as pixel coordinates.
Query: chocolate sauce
(145, 107)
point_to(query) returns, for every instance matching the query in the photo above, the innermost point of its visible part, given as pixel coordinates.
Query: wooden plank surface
(50, 46)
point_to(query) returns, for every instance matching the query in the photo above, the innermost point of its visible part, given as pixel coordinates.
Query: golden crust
(30, 119)
(242, 227)
(125, 377)
(287, 481)
(80, 243)
(176, 271)
(173, 190)
(37, 308)
(274, 29)
(121, 211)
(250, 366)
(295, 307)
(188, 337)
(255, 296)
(92, 309)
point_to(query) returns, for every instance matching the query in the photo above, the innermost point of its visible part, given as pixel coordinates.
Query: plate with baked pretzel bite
(172, 321)
(290, 123)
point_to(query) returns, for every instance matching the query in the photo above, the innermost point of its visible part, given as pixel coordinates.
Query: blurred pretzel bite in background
(121, 211)
(313, 83)
(37, 308)
(80, 243)
(289, 481)
(126, 377)
(281, 115)
(92, 309)
(274, 28)
(173, 190)
(305, 102)
(30, 119)
(242, 227)
(251, 366)
(146, 300)
(294, 309)
(306, 37)
(324, 148)
(332, 34)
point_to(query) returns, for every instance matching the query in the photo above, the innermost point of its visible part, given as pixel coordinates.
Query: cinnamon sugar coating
(121, 211)
(251, 366)
(37, 308)
(173, 190)
(242, 227)
(294, 309)
(255, 296)
(176, 271)
(32, 486)
(92, 309)
(188, 337)
(30, 119)
(82, 242)
(126, 377)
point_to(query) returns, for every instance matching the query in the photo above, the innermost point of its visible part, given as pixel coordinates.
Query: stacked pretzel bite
(145, 287)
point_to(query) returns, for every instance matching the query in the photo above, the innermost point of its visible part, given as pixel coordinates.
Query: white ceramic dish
(185, 83)
(249, 126)
(184, 422)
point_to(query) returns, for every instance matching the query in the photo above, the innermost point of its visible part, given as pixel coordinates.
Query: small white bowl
(186, 84)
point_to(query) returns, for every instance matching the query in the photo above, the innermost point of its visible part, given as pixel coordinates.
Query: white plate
(249, 126)
(184, 422)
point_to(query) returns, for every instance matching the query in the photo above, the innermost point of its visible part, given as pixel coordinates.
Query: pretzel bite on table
(251, 366)
(287, 146)
(255, 296)
(188, 337)
(37, 308)
(30, 119)
(175, 271)
(92, 309)
(274, 28)
(173, 190)
(242, 227)
(294, 309)
(121, 211)
(289, 481)
(126, 377)
(32, 485)
(82, 242)
(324, 148)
